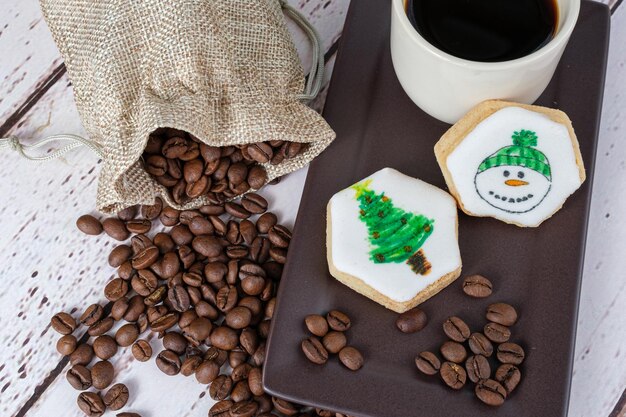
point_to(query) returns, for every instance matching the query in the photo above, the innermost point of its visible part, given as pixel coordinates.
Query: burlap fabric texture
(225, 71)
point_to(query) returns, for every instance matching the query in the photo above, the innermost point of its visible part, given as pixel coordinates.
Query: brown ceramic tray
(537, 270)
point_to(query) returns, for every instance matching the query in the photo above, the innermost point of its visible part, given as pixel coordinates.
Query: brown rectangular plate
(537, 270)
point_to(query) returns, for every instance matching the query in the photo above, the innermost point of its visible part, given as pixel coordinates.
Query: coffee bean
(241, 392)
(92, 314)
(156, 165)
(265, 405)
(219, 356)
(119, 255)
(102, 374)
(115, 289)
(270, 307)
(126, 335)
(128, 415)
(207, 371)
(178, 298)
(456, 329)
(237, 173)
(257, 177)
(116, 397)
(510, 353)
(249, 340)
(238, 318)
(168, 362)
(351, 358)
(314, 350)
(334, 341)
(82, 355)
(79, 377)
(174, 147)
(66, 344)
(254, 203)
(190, 365)
(280, 236)
(221, 387)
(104, 347)
(240, 372)
(490, 392)
(224, 337)
(427, 363)
(477, 286)
(226, 298)
(154, 211)
(208, 246)
(338, 321)
(502, 313)
(63, 323)
(101, 326)
(142, 351)
(278, 254)
(142, 323)
(284, 406)
(260, 249)
(145, 258)
(412, 321)
(169, 216)
(453, 375)
(497, 332)
(91, 404)
(480, 345)
(477, 368)
(89, 225)
(210, 153)
(136, 306)
(221, 409)
(165, 322)
(236, 251)
(175, 342)
(255, 381)
(258, 357)
(453, 352)
(509, 376)
(260, 152)
(115, 228)
(236, 210)
(198, 330)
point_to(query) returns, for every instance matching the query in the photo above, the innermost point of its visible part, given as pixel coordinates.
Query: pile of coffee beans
(189, 168)
(331, 329)
(458, 364)
(205, 284)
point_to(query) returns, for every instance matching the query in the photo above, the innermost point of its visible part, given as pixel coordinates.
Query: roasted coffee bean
(169, 216)
(412, 321)
(265, 405)
(92, 314)
(497, 332)
(221, 409)
(219, 356)
(139, 226)
(236, 210)
(338, 321)
(200, 225)
(215, 271)
(351, 358)
(115, 289)
(248, 231)
(198, 330)
(89, 225)
(193, 170)
(145, 258)
(269, 308)
(258, 357)
(236, 251)
(238, 318)
(237, 173)
(142, 351)
(226, 298)
(480, 345)
(178, 298)
(154, 211)
(255, 381)
(174, 147)
(207, 371)
(136, 306)
(261, 152)
(210, 153)
(139, 243)
(208, 246)
(142, 323)
(190, 364)
(63, 323)
(145, 282)
(477, 368)
(253, 285)
(101, 326)
(241, 392)
(477, 286)
(260, 249)
(314, 350)
(168, 362)
(453, 375)
(156, 165)
(453, 352)
(224, 337)
(119, 308)
(66, 344)
(115, 228)
(163, 323)
(257, 177)
(193, 279)
(221, 387)
(175, 342)
(266, 222)
(244, 409)
(236, 357)
(91, 404)
(119, 255)
(181, 235)
(187, 317)
(240, 372)
(490, 392)
(509, 376)
(116, 397)
(213, 209)
(249, 340)
(126, 335)
(278, 254)
(456, 329)
(284, 406)
(198, 188)
(254, 203)
(104, 347)
(428, 363)
(170, 265)
(316, 324)
(510, 353)
(79, 377)
(82, 355)
(334, 341)
(192, 152)
(280, 236)
(126, 270)
(187, 216)
(102, 374)
(206, 310)
(128, 415)
(502, 313)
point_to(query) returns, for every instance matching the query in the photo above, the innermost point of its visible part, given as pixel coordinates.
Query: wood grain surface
(47, 265)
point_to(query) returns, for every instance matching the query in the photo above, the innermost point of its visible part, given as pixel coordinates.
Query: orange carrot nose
(515, 183)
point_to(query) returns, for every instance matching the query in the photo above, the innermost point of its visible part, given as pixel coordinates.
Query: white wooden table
(46, 265)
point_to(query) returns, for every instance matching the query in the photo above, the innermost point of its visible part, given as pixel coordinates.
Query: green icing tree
(397, 235)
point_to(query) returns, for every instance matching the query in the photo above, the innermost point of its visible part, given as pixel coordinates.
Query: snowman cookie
(514, 162)
(393, 239)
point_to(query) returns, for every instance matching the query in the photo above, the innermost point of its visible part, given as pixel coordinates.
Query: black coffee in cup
(485, 30)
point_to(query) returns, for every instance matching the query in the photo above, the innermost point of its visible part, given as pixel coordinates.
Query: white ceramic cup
(447, 87)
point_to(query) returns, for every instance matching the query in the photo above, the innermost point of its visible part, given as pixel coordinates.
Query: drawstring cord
(71, 141)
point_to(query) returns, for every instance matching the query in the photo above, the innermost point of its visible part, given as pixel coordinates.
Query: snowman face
(513, 189)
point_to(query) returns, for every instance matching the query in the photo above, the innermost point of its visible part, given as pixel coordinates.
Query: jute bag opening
(213, 75)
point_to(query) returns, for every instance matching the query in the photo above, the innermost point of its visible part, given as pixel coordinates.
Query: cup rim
(561, 37)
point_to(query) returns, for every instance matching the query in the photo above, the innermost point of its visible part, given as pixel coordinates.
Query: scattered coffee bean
(314, 350)
(456, 329)
(92, 314)
(168, 362)
(412, 321)
(207, 371)
(224, 337)
(453, 352)
(497, 333)
(116, 397)
(102, 374)
(89, 225)
(115, 228)
(244, 409)
(509, 376)
(490, 392)
(428, 363)
(255, 381)
(510, 353)
(477, 368)
(284, 406)
(453, 375)
(502, 313)
(128, 415)
(316, 324)
(221, 387)
(351, 358)
(477, 286)
(142, 351)
(119, 255)
(101, 326)
(221, 409)
(66, 344)
(480, 345)
(91, 404)
(126, 335)
(334, 341)
(82, 355)
(338, 321)
(104, 347)
(63, 323)
(79, 377)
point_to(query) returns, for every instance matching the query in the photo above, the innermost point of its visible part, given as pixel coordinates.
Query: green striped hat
(521, 154)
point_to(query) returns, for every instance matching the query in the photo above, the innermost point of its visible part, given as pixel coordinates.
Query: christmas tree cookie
(393, 238)
(514, 162)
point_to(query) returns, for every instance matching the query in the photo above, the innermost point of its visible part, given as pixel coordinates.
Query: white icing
(351, 247)
(495, 133)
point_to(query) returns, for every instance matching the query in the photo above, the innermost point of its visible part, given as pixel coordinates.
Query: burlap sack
(225, 71)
